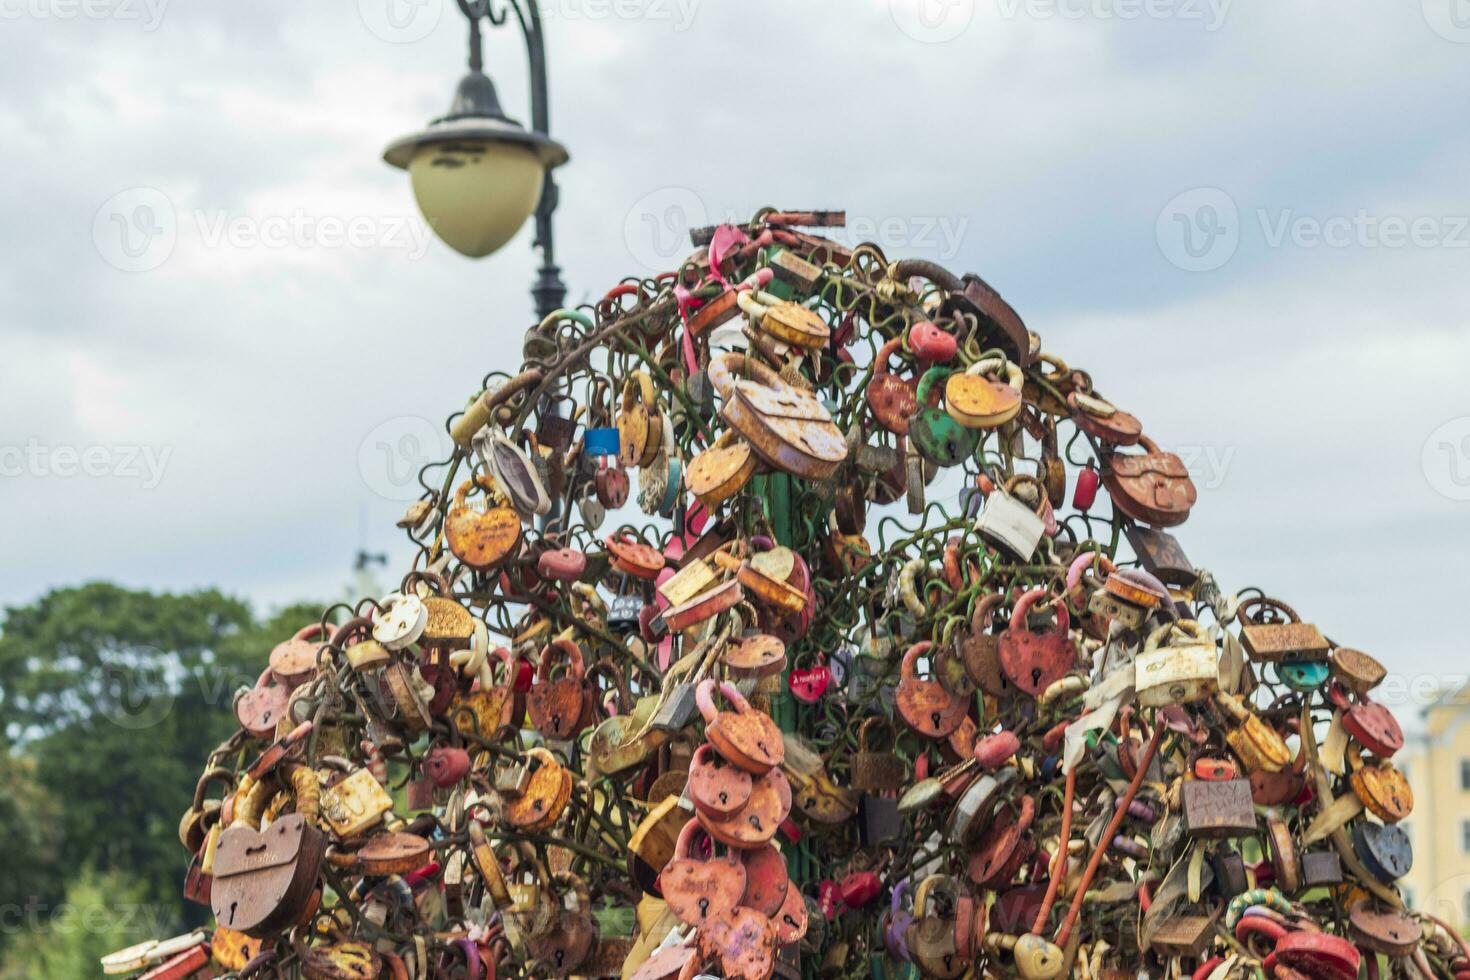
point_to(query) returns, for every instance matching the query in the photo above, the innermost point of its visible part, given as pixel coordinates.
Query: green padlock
(938, 437)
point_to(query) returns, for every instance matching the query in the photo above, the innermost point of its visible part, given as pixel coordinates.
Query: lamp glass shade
(476, 194)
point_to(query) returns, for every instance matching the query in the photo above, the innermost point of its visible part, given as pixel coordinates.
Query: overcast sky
(226, 331)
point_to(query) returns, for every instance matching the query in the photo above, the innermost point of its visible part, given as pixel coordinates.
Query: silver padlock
(1009, 524)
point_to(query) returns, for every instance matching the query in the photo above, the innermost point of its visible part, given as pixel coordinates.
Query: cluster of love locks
(889, 666)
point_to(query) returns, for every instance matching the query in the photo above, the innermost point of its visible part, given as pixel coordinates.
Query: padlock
(1000, 851)
(1184, 671)
(1128, 596)
(1218, 809)
(743, 941)
(934, 433)
(767, 882)
(1034, 661)
(744, 736)
(978, 401)
(879, 822)
(788, 428)
(1103, 420)
(925, 705)
(1160, 553)
(931, 936)
(264, 879)
(555, 704)
(930, 343)
(875, 769)
(755, 822)
(569, 941)
(720, 471)
(1287, 637)
(354, 804)
(1259, 746)
(714, 785)
(1381, 787)
(1384, 850)
(1009, 524)
(480, 538)
(516, 474)
(787, 322)
(547, 792)
(1153, 488)
(1370, 724)
(891, 399)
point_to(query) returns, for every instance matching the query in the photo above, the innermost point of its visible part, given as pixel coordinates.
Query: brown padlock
(744, 941)
(547, 793)
(566, 944)
(1102, 420)
(715, 786)
(1154, 488)
(925, 705)
(1032, 662)
(1220, 808)
(699, 889)
(767, 882)
(555, 704)
(294, 661)
(755, 823)
(980, 650)
(890, 398)
(264, 880)
(719, 472)
(746, 737)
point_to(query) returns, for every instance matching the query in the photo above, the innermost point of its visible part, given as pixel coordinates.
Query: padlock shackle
(907, 669)
(1023, 607)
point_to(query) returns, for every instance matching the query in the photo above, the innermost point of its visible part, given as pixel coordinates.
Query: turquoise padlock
(1303, 675)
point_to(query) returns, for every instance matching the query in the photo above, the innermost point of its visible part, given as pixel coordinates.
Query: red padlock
(860, 888)
(810, 683)
(929, 343)
(1084, 494)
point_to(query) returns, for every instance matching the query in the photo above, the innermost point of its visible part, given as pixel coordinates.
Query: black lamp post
(478, 175)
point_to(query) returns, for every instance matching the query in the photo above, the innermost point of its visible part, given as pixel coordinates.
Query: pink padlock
(994, 751)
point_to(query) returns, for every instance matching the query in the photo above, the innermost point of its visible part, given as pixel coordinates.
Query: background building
(1436, 761)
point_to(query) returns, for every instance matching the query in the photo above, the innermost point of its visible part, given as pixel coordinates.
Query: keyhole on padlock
(724, 797)
(1036, 675)
(755, 822)
(561, 954)
(934, 718)
(233, 907)
(703, 908)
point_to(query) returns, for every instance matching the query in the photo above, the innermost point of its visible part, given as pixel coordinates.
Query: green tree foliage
(113, 699)
(100, 913)
(30, 838)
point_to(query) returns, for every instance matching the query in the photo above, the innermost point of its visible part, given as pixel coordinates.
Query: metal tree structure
(858, 644)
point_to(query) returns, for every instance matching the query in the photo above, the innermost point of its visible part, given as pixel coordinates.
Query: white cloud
(1055, 141)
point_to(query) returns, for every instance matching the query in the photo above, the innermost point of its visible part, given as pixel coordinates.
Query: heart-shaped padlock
(1034, 661)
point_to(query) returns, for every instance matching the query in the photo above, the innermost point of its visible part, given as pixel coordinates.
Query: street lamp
(478, 175)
